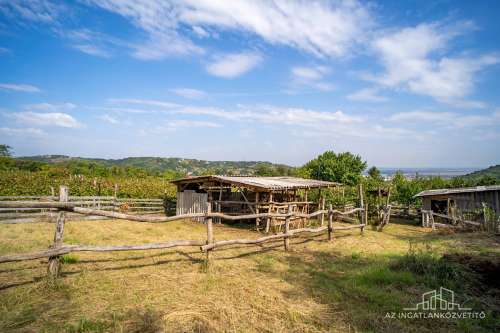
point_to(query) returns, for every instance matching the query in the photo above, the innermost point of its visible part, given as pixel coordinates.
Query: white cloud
(32, 10)
(22, 132)
(189, 93)
(144, 102)
(412, 60)
(4, 50)
(47, 119)
(325, 29)
(50, 107)
(367, 95)
(200, 32)
(233, 65)
(446, 119)
(311, 76)
(109, 119)
(19, 87)
(92, 50)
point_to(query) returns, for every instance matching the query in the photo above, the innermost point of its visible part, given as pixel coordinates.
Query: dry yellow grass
(319, 286)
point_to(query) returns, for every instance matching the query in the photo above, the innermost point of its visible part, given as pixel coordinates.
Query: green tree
(345, 167)
(374, 173)
(5, 151)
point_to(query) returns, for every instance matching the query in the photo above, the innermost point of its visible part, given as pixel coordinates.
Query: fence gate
(191, 202)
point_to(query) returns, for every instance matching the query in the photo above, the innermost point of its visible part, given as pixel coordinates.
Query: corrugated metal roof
(267, 183)
(458, 190)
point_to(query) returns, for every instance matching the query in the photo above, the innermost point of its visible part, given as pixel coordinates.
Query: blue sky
(402, 83)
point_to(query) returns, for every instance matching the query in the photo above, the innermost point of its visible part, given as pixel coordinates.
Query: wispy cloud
(233, 65)
(45, 11)
(109, 119)
(324, 29)
(47, 119)
(50, 106)
(22, 132)
(447, 119)
(144, 102)
(312, 76)
(367, 95)
(92, 50)
(19, 87)
(189, 93)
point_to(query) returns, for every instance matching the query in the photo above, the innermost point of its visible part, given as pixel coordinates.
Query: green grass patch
(87, 325)
(69, 259)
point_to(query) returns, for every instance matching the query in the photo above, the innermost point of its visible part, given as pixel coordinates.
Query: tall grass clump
(432, 268)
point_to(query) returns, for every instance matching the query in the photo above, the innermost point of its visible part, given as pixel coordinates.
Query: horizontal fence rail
(32, 209)
(64, 206)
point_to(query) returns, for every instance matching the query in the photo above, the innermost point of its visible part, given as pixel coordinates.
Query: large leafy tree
(5, 150)
(344, 167)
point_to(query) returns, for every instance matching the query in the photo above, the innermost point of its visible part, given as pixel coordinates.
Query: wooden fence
(429, 220)
(108, 203)
(64, 206)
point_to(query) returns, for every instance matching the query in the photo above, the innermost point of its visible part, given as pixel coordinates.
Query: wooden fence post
(361, 203)
(54, 262)
(287, 228)
(210, 231)
(330, 222)
(322, 208)
(365, 217)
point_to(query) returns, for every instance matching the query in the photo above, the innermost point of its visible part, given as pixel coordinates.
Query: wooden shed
(463, 199)
(247, 195)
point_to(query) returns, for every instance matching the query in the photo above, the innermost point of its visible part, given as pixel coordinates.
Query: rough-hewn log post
(54, 262)
(287, 228)
(322, 208)
(210, 231)
(330, 222)
(257, 220)
(365, 219)
(361, 202)
(269, 210)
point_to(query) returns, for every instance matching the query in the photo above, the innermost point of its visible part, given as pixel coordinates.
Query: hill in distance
(491, 172)
(179, 165)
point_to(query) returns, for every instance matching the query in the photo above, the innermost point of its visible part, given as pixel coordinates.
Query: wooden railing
(35, 212)
(63, 206)
(456, 222)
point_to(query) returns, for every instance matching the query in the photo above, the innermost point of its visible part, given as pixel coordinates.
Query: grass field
(347, 285)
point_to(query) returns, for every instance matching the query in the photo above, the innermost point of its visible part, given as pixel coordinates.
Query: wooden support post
(361, 203)
(115, 193)
(330, 222)
(431, 216)
(54, 262)
(322, 216)
(269, 210)
(210, 231)
(257, 220)
(365, 213)
(287, 229)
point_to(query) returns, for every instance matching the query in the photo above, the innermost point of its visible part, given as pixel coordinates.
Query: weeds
(68, 259)
(434, 270)
(86, 325)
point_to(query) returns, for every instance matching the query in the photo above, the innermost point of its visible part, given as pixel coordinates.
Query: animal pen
(235, 195)
(276, 211)
(477, 207)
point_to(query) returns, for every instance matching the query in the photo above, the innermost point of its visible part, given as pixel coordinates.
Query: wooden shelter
(445, 201)
(238, 195)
